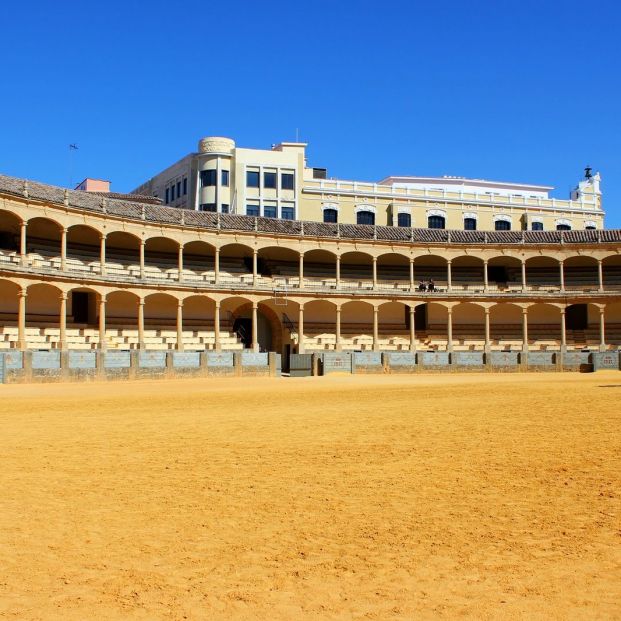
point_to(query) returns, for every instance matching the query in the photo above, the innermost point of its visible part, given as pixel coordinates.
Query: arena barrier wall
(68, 366)
(606, 360)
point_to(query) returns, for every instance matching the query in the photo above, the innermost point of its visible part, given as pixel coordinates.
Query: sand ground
(419, 497)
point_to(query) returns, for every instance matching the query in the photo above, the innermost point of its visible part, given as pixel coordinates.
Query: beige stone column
(485, 278)
(412, 329)
(562, 274)
(523, 275)
(301, 281)
(338, 271)
(301, 348)
(63, 250)
(525, 329)
(255, 254)
(374, 272)
(22, 243)
(449, 275)
(216, 327)
(63, 320)
(338, 328)
(602, 328)
(180, 325)
(411, 274)
(600, 275)
(255, 339)
(102, 254)
(141, 343)
(216, 266)
(487, 331)
(375, 328)
(563, 331)
(21, 320)
(449, 326)
(103, 344)
(142, 245)
(180, 264)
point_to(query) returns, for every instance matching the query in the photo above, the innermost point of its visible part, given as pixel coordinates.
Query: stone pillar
(141, 324)
(255, 254)
(301, 348)
(411, 274)
(63, 321)
(563, 331)
(485, 278)
(375, 328)
(102, 254)
(449, 326)
(412, 329)
(180, 264)
(180, 325)
(338, 328)
(216, 327)
(562, 274)
(21, 320)
(523, 275)
(63, 250)
(487, 330)
(525, 329)
(142, 245)
(449, 275)
(338, 272)
(102, 323)
(217, 266)
(22, 243)
(301, 281)
(602, 329)
(600, 275)
(374, 272)
(255, 340)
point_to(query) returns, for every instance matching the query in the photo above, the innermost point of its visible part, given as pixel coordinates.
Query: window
(185, 186)
(167, 195)
(435, 222)
(330, 215)
(470, 224)
(269, 180)
(287, 213)
(404, 219)
(178, 189)
(252, 210)
(590, 227)
(172, 193)
(287, 181)
(537, 226)
(270, 211)
(365, 217)
(208, 207)
(502, 225)
(252, 179)
(225, 178)
(563, 227)
(225, 208)
(208, 178)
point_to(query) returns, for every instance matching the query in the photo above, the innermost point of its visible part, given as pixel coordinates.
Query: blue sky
(521, 91)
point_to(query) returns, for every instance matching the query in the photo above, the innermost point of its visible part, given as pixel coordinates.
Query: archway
(467, 273)
(161, 258)
(10, 231)
(83, 247)
(9, 308)
(393, 326)
(506, 321)
(123, 254)
(468, 326)
(319, 325)
(357, 326)
(544, 326)
(581, 273)
(543, 273)
(238, 313)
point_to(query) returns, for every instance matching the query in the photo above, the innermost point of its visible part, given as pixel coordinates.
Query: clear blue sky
(521, 91)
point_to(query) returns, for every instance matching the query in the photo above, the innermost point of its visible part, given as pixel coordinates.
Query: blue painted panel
(467, 358)
(251, 359)
(13, 360)
(117, 360)
(370, 359)
(606, 360)
(82, 360)
(504, 358)
(219, 358)
(435, 358)
(46, 360)
(186, 359)
(152, 359)
(402, 359)
(576, 358)
(2, 368)
(337, 361)
(541, 358)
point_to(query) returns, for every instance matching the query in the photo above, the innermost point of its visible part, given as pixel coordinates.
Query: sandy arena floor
(424, 497)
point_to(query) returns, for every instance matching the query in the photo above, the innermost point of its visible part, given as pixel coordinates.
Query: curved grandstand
(84, 271)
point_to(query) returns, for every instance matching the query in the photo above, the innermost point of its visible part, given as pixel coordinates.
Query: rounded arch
(122, 253)
(9, 302)
(43, 305)
(10, 231)
(278, 261)
(431, 267)
(467, 271)
(506, 321)
(581, 273)
(235, 260)
(611, 271)
(357, 325)
(198, 258)
(83, 245)
(122, 312)
(393, 266)
(543, 272)
(544, 325)
(43, 237)
(356, 265)
(320, 264)
(612, 316)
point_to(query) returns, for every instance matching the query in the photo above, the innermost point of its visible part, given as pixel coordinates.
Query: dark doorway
(79, 306)
(420, 317)
(286, 359)
(243, 328)
(497, 273)
(577, 317)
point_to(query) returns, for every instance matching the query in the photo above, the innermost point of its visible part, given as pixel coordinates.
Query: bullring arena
(404, 494)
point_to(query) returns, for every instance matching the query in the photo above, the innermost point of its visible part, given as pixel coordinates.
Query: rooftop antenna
(587, 172)
(297, 135)
(72, 147)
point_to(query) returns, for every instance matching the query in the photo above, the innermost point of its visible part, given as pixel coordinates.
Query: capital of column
(103, 236)
(602, 310)
(217, 304)
(140, 302)
(525, 311)
(255, 305)
(449, 261)
(486, 311)
(562, 311)
(143, 242)
(23, 293)
(63, 295)
(180, 303)
(102, 299)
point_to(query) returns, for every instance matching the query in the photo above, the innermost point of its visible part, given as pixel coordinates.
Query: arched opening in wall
(543, 273)
(436, 222)
(581, 273)
(82, 307)
(436, 337)
(122, 320)
(235, 263)
(237, 312)
(468, 326)
(357, 326)
(467, 273)
(10, 232)
(393, 326)
(320, 267)
(199, 261)
(431, 267)
(43, 241)
(122, 254)
(611, 271)
(544, 326)
(43, 317)
(394, 268)
(319, 325)
(612, 316)
(161, 258)
(83, 248)
(160, 321)
(198, 324)
(9, 308)
(582, 325)
(505, 327)
(283, 317)
(281, 264)
(503, 273)
(356, 269)
(365, 217)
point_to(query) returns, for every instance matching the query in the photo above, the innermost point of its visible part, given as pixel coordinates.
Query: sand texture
(416, 497)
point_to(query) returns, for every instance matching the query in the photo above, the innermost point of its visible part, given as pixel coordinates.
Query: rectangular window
(225, 178)
(178, 189)
(167, 195)
(185, 186)
(252, 178)
(287, 181)
(288, 213)
(172, 192)
(252, 210)
(207, 207)
(225, 208)
(269, 180)
(269, 211)
(208, 178)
